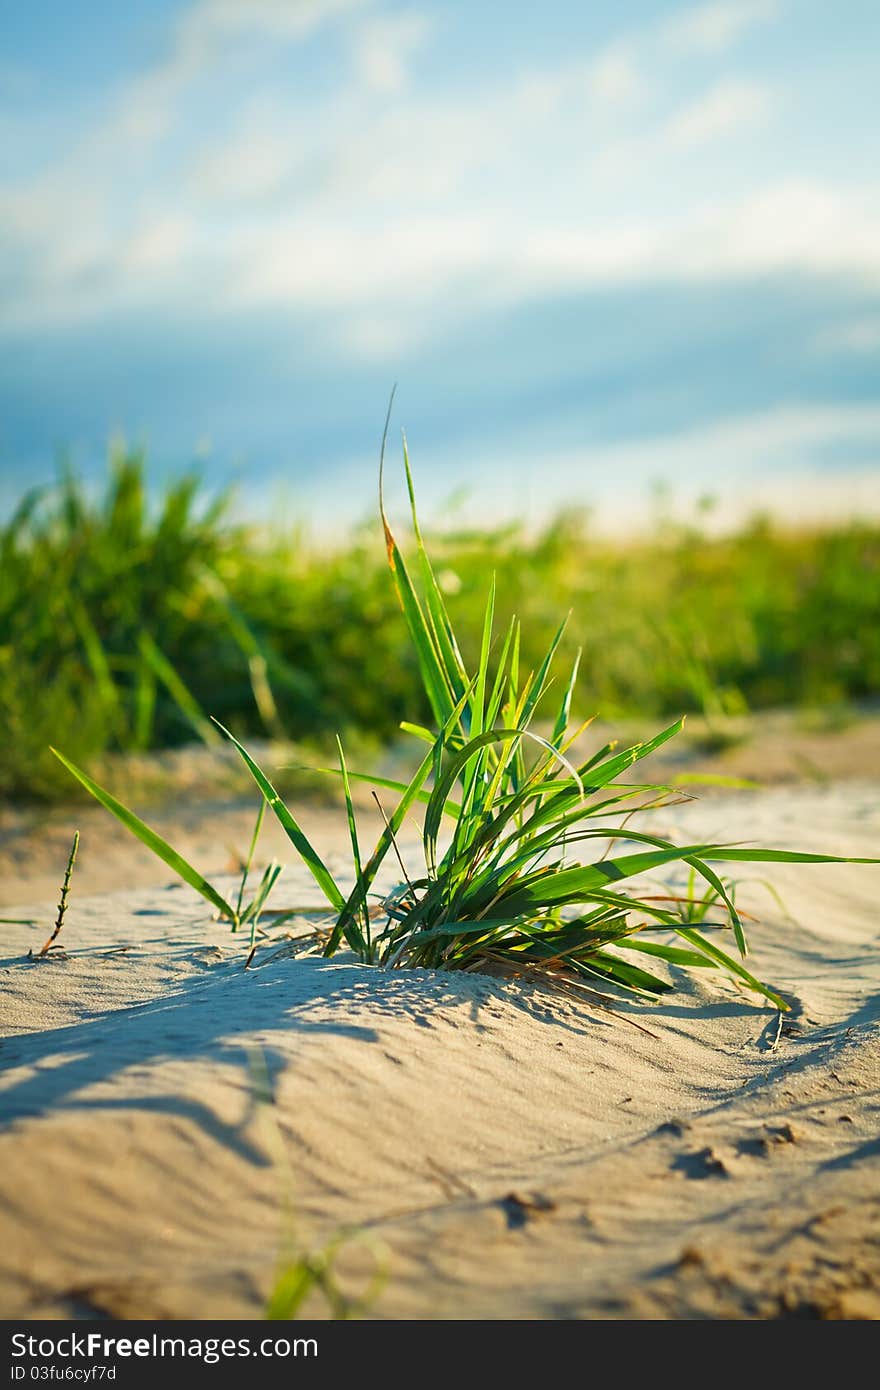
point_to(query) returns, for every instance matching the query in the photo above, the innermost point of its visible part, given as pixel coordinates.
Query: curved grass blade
(781, 856)
(501, 675)
(355, 846)
(629, 976)
(148, 837)
(696, 864)
(564, 714)
(722, 958)
(252, 914)
(447, 646)
(357, 898)
(180, 693)
(575, 885)
(540, 682)
(418, 731)
(479, 698)
(98, 664)
(434, 674)
(309, 855)
(675, 955)
(716, 883)
(258, 825)
(458, 765)
(267, 883)
(451, 808)
(600, 774)
(395, 820)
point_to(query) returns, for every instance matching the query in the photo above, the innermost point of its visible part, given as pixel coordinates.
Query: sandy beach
(172, 1123)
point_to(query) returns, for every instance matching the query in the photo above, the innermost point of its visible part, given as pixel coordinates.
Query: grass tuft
(523, 865)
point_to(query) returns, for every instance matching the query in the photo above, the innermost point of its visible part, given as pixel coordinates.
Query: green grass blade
(450, 808)
(597, 776)
(431, 666)
(434, 678)
(540, 683)
(501, 675)
(258, 825)
(780, 856)
(697, 865)
(252, 915)
(358, 896)
(514, 664)
(562, 718)
(306, 851)
(479, 699)
(148, 837)
(722, 958)
(575, 885)
(715, 882)
(181, 695)
(457, 766)
(99, 665)
(624, 973)
(446, 644)
(418, 731)
(395, 820)
(675, 955)
(353, 837)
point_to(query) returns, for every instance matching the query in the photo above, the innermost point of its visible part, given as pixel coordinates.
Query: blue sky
(596, 245)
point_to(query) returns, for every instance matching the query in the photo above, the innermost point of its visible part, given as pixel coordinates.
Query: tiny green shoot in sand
(50, 944)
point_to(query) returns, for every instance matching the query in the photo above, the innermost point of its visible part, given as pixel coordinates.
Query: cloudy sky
(597, 245)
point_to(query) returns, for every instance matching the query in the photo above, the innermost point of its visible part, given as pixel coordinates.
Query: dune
(171, 1124)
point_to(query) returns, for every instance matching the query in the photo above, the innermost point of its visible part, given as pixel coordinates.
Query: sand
(171, 1123)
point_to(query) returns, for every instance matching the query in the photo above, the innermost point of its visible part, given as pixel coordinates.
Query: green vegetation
(123, 622)
(48, 945)
(501, 891)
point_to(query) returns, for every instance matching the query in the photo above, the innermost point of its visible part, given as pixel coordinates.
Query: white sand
(698, 1171)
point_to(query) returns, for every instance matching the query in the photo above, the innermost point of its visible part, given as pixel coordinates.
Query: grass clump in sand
(522, 865)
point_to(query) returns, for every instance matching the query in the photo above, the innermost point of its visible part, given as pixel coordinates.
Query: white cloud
(715, 27)
(160, 246)
(210, 33)
(729, 106)
(384, 45)
(614, 77)
(209, 28)
(383, 205)
(252, 163)
(797, 224)
(857, 336)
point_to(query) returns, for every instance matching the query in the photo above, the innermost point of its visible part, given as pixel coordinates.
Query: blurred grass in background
(123, 622)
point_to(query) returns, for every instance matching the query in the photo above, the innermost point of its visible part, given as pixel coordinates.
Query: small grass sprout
(50, 944)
